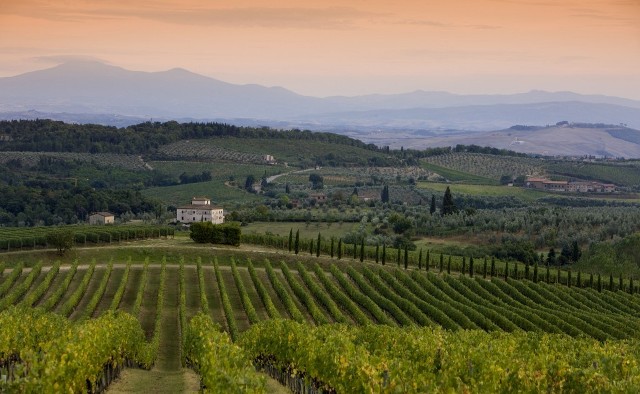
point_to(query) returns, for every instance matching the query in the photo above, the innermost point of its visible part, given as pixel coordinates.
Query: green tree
(493, 266)
(340, 249)
(362, 250)
(290, 243)
(420, 260)
(551, 257)
(384, 196)
(384, 253)
(248, 183)
(61, 239)
(448, 206)
(318, 246)
(296, 243)
(432, 207)
(406, 257)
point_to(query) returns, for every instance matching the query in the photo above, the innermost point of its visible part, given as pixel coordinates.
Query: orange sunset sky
(343, 47)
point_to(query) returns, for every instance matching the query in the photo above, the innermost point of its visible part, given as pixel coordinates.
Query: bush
(207, 232)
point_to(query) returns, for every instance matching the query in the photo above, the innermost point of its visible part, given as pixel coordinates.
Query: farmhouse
(572, 187)
(101, 218)
(200, 210)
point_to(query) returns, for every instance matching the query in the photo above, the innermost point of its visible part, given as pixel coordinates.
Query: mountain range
(94, 92)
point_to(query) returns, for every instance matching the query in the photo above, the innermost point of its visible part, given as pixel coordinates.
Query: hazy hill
(89, 89)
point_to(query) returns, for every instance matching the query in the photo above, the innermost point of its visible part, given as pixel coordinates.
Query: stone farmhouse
(571, 187)
(200, 210)
(101, 218)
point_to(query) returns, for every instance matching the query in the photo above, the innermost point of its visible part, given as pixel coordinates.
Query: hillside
(547, 141)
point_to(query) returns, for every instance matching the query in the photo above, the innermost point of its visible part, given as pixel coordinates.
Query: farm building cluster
(571, 187)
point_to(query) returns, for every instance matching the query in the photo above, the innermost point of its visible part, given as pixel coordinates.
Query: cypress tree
(384, 196)
(362, 250)
(398, 257)
(318, 246)
(290, 240)
(406, 257)
(569, 278)
(484, 268)
(296, 244)
(506, 270)
(311, 247)
(471, 267)
(535, 273)
(611, 282)
(591, 281)
(377, 252)
(441, 262)
(332, 240)
(420, 260)
(448, 206)
(558, 277)
(548, 276)
(493, 266)
(579, 279)
(432, 208)
(449, 265)
(526, 270)
(464, 265)
(599, 284)
(339, 248)
(384, 253)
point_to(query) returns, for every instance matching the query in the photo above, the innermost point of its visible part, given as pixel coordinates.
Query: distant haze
(346, 47)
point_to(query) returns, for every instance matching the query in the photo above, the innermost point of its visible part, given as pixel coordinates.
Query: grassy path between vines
(167, 376)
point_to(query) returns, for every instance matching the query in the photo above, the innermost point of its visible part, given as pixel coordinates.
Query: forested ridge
(144, 138)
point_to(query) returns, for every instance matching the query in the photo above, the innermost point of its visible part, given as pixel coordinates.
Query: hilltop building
(200, 210)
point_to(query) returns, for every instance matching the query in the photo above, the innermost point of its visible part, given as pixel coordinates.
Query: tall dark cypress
(362, 250)
(432, 208)
(599, 283)
(464, 265)
(398, 257)
(384, 253)
(406, 257)
(535, 273)
(290, 240)
(339, 248)
(506, 270)
(441, 262)
(296, 244)
(420, 260)
(318, 246)
(377, 252)
(591, 281)
(471, 267)
(332, 240)
(569, 278)
(311, 247)
(493, 266)
(611, 282)
(484, 268)
(548, 276)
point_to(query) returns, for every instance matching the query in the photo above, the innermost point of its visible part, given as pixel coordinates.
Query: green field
(485, 190)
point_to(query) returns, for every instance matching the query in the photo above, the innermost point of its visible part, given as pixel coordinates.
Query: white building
(200, 210)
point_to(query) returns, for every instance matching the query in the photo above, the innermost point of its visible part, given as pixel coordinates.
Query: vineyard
(482, 165)
(348, 326)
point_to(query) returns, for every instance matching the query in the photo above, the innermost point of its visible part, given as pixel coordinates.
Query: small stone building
(101, 218)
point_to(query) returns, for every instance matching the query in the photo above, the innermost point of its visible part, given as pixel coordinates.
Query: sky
(346, 47)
